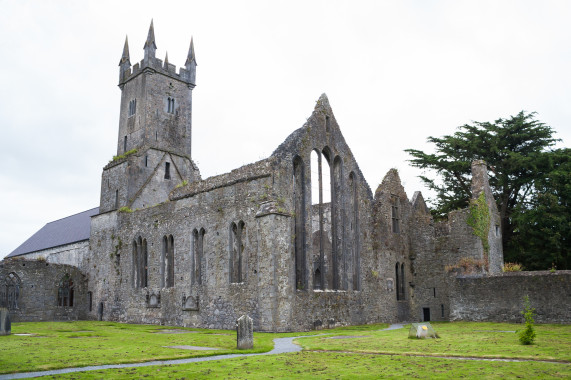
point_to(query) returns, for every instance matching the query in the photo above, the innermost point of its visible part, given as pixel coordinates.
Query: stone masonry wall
(38, 292)
(499, 298)
(71, 254)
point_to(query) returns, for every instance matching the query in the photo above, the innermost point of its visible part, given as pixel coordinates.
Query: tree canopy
(523, 171)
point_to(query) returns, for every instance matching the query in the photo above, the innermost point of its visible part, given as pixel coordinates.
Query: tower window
(125, 144)
(167, 170)
(170, 105)
(132, 107)
(395, 213)
(146, 161)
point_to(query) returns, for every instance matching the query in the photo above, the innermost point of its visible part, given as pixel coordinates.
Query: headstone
(245, 333)
(5, 325)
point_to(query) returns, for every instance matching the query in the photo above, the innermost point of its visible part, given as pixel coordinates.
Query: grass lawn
(483, 339)
(367, 352)
(316, 365)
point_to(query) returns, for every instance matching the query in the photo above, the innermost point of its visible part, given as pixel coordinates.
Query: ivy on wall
(479, 220)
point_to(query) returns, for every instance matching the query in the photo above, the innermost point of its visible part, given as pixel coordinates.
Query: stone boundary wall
(499, 298)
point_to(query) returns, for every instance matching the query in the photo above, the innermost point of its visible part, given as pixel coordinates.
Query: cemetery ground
(346, 352)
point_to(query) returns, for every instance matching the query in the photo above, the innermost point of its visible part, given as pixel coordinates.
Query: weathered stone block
(5, 325)
(245, 333)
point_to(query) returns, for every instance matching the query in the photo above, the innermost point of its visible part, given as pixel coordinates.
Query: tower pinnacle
(125, 56)
(191, 57)
(191, 63)
(150, 45)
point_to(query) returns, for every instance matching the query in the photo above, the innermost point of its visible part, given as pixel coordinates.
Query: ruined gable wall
(357, 296)
(391, 228)
(38, 293)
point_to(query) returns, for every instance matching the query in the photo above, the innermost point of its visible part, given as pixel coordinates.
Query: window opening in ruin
(90, 300)
(339, 259)
(299, 220)
(125, 144)
(167, 262)
(198, 250)
(354, 231)
(397, 277)
(327, 124)
(317, 280)
(434, 292)
(402, 282)
(320, 179)
(116, 199)
(395, 213)
(146, 160)
(237, 245)
(497, 230)
(167, 170)
(156, 136)
(442, 310)
(140, 260)
(65, 291)
(321, 223)
(10, 293)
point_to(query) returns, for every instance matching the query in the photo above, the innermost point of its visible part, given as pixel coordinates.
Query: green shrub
(527, 335)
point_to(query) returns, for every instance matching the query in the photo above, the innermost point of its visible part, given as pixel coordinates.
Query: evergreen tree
(516, 150)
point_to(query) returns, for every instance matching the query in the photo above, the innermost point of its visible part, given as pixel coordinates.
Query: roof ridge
(69, 216)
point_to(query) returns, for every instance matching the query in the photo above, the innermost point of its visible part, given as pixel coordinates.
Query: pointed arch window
(170, 105)
(299, 229)
(167, 262)
(140, 263)
(321, 207)
(65, 291)
(236, 246)
(132, 107)
(354, 230)
(12, 291)
(198, 253)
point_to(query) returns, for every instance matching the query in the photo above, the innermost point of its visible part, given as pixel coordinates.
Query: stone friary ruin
(296, 241)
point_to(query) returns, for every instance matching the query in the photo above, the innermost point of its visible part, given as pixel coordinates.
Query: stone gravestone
(5, 325)
(245, 332)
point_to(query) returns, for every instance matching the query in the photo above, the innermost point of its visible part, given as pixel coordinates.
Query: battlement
(156, 65)
(186, 74)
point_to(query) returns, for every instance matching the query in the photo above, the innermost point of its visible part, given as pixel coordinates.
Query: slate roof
(64, 231)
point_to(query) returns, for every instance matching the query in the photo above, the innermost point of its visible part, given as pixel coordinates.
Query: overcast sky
(395, 73)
